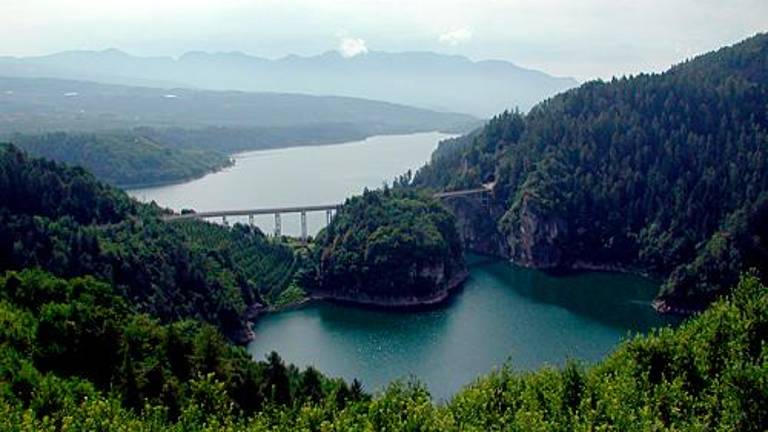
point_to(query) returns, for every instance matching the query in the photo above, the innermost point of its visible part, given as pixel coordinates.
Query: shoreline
(660, 305)
(137, 186)
(402, 304)
(443, 296)
(233, 156)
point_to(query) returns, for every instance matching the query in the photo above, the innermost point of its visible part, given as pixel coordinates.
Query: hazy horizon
(591, 39)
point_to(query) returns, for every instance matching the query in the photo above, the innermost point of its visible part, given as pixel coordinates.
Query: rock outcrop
(535, 237)
(476, 225)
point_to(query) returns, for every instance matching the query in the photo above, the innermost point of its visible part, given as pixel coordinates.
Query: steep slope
(62, 220)
(389, 248)
(425, 79)
(650, 173)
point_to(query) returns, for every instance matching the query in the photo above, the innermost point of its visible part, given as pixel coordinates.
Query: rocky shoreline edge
(247, 334)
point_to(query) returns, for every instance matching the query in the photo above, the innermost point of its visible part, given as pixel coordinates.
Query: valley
(606, 272)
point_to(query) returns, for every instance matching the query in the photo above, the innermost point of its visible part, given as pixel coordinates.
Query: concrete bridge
(329, 209)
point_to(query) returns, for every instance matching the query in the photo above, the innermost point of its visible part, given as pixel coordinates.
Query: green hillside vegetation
(123, 159)
(64, 343)
(62, 220)
(67, 343)
(389, 246)
(661, 173)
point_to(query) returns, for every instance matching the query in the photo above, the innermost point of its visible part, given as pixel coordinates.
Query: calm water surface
(504, 314)
(316, 175)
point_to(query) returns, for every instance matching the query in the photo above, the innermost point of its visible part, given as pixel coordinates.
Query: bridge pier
(485, 200)
(224, 221)
(328, 217)
(250, 220)
(278, 229)
(303, 227)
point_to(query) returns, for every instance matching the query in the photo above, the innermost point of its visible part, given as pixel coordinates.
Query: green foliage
(124, 159)
(35, 187)
(707, 375)
(647, 172)
(290, 296)
(388, 244)
(65, 341)
(64, 221)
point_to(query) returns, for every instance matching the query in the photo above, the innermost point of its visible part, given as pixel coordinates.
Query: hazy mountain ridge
(418, 78)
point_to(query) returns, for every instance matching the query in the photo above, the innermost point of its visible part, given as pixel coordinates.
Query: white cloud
(351, 47)
(456, 36)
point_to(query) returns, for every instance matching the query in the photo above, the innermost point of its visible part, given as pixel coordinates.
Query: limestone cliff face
(532, 237)
(535, 237)
(476, 225)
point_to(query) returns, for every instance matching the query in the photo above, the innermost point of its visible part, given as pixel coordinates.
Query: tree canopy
(122, 158)
(62, 220)
(650, 173)
(389, 245)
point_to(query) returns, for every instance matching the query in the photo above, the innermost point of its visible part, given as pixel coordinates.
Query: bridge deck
(305, 209)
(460, 193)
(248, 212)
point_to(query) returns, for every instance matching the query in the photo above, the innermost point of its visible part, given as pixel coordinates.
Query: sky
(584, 39)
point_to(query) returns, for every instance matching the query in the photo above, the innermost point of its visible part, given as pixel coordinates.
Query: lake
(503, 315)
(314, 175)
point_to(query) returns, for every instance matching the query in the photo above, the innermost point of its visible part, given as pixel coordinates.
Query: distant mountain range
(425, 79)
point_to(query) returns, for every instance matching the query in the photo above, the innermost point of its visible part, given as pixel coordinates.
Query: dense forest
(658, 173)
(389, 247)
(74, 356)
(64, 221)
(69, 342)
(123, 159)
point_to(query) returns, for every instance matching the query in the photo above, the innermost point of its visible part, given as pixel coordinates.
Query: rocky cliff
(534, 236)
(476, 223)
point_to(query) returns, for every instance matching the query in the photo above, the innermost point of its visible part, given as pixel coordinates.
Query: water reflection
(504, 314)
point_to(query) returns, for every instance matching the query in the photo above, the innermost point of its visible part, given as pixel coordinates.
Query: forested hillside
(123, 159)
(73, 357)
(113, 320)
(65, 343)
(389, 248)
(660, 173)
(62, 220)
